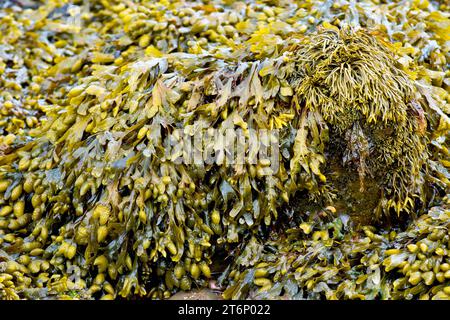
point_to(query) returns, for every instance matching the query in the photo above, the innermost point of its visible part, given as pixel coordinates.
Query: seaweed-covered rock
(325, 257)
(95, 201)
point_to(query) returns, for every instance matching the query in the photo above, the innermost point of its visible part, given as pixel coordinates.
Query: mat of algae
(92, 208)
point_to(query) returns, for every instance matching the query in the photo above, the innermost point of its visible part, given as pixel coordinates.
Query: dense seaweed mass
(93, 206)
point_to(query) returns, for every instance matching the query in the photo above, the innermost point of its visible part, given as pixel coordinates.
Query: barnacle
(92, 204)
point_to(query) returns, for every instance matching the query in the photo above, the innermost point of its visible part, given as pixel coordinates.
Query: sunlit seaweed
(90, 206)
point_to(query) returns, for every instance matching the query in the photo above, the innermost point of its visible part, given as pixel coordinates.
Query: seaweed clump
(371, 110)
(326, 258)
(92, 205)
